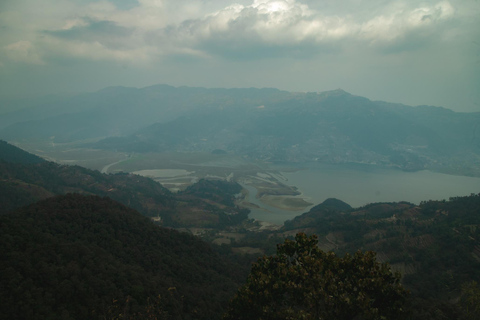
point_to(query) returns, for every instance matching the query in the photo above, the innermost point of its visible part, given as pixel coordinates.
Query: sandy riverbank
(290, 203)
(270, 190)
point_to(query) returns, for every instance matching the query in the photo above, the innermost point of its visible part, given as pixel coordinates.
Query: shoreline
(286, 202)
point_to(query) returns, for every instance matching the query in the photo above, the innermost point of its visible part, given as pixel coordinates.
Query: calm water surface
(361, 184)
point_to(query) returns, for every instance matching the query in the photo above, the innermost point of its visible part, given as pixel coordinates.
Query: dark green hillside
(216, 197)
(24, 184)
(208, 204)
(72, 256)
(9, 153)
(324, 217)
(220, 191)
(435, 245)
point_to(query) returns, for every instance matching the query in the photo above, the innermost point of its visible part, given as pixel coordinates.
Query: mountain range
(258, 124)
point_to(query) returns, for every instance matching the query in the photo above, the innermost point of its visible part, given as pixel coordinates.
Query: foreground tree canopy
(303, 282)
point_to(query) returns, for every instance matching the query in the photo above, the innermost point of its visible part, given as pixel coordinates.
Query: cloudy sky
(413, 52)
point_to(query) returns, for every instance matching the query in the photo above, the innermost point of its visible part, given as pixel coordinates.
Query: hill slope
(332, 127)
(9, 153)
(262, 124)
(435, 245)
(22, 184)
(72, 256)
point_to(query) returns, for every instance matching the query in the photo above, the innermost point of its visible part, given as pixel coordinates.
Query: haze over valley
(91, 83)
(180, 135)
(152, 150)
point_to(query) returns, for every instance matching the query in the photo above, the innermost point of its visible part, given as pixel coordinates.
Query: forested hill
(9, 153)
(25, 183)
(435, 245)
(84, 257)
(22, 184)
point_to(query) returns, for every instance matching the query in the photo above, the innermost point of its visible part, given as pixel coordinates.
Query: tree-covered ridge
(72, 256)
(214, 196)
(219, 191)
(47, 178)
(9, 153)
(435, 244)
(303, 282)
(208, 204)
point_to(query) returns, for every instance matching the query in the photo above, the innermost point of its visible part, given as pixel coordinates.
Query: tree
(303, 282)
(470, 300)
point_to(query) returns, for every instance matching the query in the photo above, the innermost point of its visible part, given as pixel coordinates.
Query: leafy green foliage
(303, 282)
(470, 300)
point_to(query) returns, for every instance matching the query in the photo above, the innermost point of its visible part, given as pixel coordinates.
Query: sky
(411, 52)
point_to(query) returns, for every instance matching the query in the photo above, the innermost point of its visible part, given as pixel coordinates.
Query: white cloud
(408, 50)
(164, 27)
(289, 23)
(23, 51)
(397, 24)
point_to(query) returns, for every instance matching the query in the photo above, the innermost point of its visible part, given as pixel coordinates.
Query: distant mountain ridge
(122, 110)
(332, 127)
(265, 124)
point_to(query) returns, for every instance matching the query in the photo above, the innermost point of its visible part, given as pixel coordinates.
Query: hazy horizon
(406, 52)
(117, 112)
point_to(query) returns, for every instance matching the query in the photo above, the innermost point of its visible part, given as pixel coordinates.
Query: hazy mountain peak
(336, 93)
(332, 126)
(117, 89)
(158, 87)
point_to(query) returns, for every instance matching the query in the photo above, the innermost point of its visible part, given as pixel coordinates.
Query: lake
(358, 185)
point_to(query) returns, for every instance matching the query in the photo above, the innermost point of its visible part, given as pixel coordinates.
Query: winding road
(105, 169)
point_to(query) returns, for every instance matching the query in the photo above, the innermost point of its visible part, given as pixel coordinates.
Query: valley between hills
(401, 181)
(176, 171)
(434, 245)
